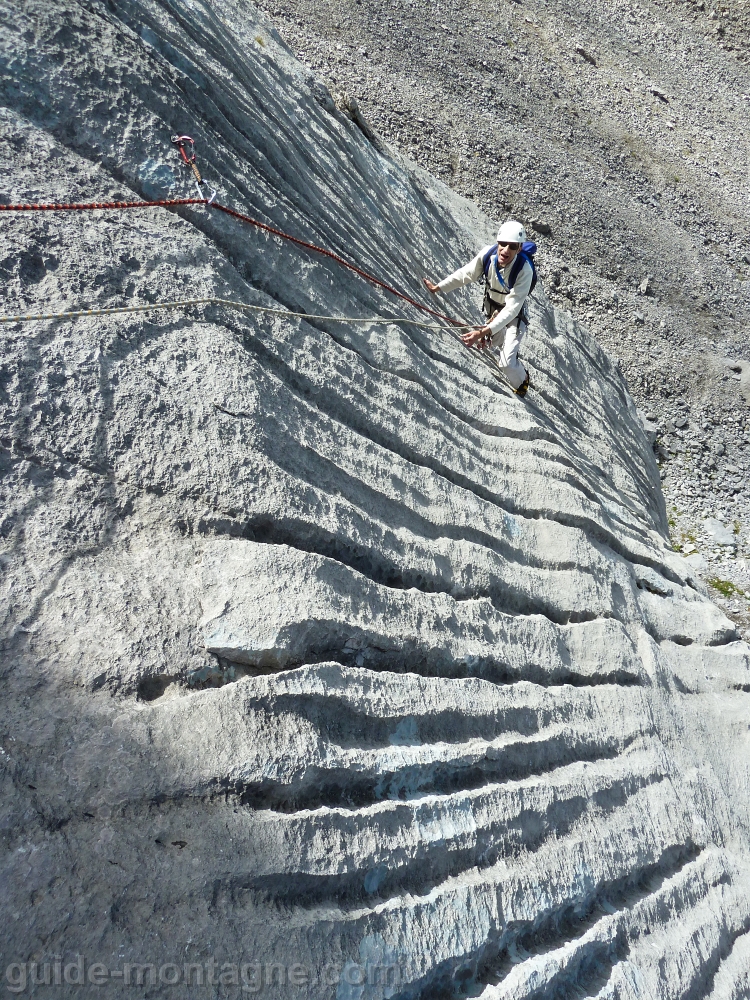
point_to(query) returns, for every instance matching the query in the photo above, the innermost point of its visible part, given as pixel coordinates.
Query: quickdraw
(186, 146)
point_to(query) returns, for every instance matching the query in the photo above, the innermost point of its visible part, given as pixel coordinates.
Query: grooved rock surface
(320, 648)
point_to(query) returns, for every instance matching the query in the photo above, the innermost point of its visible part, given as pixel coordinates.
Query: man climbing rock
(510, 274)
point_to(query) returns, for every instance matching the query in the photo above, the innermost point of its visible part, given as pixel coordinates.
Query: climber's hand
(480, 337)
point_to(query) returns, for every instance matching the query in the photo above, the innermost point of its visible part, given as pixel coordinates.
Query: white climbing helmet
(511, 232)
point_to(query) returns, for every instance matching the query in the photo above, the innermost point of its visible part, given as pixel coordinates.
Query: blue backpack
(526, 253)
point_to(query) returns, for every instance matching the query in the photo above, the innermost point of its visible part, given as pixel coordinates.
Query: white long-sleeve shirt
(510, 300)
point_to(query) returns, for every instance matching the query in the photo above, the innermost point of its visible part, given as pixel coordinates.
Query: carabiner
(179, 141)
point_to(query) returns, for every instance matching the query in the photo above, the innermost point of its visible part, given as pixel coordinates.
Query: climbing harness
(455, 325)
(182, 141)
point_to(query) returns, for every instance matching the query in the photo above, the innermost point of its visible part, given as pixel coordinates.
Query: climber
(510, 277)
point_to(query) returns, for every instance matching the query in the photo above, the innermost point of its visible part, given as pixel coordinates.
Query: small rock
(649, 427)
(645, 286)
(681, 422)
(659, 93)
(721, 534)
(639, 318)
(543, 228)
(697, 562)
(347, 104)
(585, 55)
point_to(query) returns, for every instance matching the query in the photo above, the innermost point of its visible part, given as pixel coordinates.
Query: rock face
(611, 129)
(329, 665)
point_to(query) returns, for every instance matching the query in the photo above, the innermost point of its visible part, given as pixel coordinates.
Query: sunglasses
(508, 246)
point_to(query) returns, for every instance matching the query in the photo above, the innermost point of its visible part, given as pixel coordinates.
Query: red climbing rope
(334, 256)
(102, 204)
(166, 203)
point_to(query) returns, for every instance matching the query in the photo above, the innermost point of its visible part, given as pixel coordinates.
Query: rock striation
(611, 130)
(329, 666)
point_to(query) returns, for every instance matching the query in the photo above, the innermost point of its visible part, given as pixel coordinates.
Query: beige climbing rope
(212, 300)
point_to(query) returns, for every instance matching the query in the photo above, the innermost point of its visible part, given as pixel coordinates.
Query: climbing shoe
(523, 387)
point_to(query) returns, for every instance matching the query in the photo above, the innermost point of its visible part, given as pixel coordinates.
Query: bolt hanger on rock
(186, 146)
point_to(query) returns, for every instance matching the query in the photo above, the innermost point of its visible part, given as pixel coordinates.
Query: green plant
(260, 40)
(737, 527)
(725, 587)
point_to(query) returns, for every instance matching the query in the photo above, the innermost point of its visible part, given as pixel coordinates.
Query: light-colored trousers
(505, 345)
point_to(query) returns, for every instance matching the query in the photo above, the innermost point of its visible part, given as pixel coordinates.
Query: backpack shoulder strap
(492, 249)
(521, 259)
